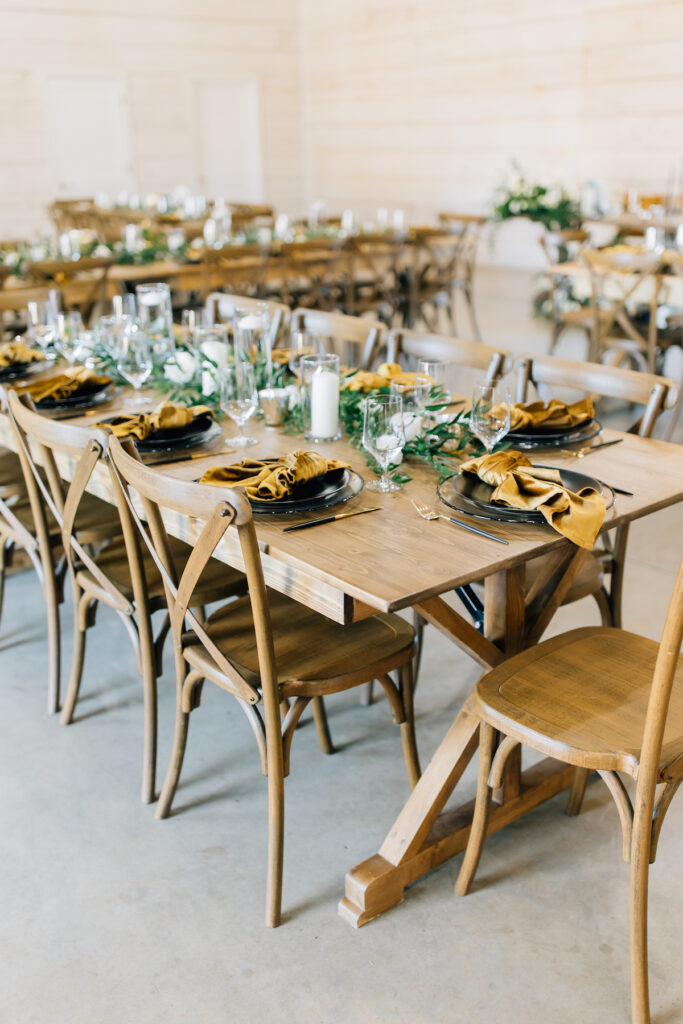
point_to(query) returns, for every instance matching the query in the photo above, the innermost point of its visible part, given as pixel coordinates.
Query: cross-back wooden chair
(237, 268)
(83, 282)
(469, 227)
(407, 347)
(615, 278)
(562, 250)
(373, 278)
(16, 300)
(115, 572)
(265, 649)
(603, 700)
(602, 573)
(313, 273)
(221, 306)
(434, 275)
(357, 341)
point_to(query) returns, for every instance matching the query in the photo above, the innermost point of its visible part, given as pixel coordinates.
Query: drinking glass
(239, 399)
(251, 328)
(156, 319)
(490, 415)
(134, 362)
(414, 391)
(383, 436)
(109, 331)
(301, 344)
(213, 351)
(437, 373)
(69, 336)
(42, 324)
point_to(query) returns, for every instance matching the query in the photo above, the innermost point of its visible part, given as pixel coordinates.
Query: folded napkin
(518, 484)
(367, 380)
(552, 415)
(14, 352)
(272, 479)
(281, 356)
(166, 416)
(65, 385)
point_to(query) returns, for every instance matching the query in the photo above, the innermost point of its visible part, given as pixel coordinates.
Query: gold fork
(428, 513)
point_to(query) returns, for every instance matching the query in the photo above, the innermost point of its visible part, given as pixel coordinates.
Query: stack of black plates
(334, 488)
(537, 437)
(467, 493)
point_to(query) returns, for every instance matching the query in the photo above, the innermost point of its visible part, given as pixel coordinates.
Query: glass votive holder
(320, 397)
(274, 403)
(414, 390)
(156, 319)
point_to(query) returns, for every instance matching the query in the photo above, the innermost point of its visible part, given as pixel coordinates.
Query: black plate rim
(550, 439)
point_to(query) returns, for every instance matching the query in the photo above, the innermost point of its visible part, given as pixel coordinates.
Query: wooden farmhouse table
(393, 560)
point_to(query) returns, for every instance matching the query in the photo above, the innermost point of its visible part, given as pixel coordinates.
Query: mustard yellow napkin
(272, 479)
(553, 415)
(14, 352)
(167, 416)
(367, 380)
(518, 484)
(281, 356)
(65, 385)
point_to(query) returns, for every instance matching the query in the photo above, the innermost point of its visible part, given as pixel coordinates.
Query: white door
(229, 140)
(88, 133)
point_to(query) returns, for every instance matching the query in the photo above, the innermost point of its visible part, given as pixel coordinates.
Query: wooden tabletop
(393, 559)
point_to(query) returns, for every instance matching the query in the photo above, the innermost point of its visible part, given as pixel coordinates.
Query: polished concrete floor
(110, 917)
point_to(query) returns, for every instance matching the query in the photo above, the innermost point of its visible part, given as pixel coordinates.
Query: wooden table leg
(422, 838)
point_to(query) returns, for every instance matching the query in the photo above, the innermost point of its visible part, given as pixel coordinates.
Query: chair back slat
(355, 335)
(34, 431)
(472, 354)
(158, 493)
(648, 389)
(660, 694)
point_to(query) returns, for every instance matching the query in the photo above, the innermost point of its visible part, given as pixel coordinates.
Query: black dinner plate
(539, 438)
(474, 496)
(16, 371)
(334, 488)
(83, 400)
(194, 433)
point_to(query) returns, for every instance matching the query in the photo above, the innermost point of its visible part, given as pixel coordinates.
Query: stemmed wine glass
(134, 362)
(490, 415)
(68, 339)
(42, 323)
(383, 436)
(239, 398)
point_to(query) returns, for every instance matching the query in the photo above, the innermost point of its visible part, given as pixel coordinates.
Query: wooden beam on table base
(422, 838)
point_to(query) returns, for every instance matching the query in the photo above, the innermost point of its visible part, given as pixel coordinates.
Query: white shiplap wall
(161, 47)
(422, 104)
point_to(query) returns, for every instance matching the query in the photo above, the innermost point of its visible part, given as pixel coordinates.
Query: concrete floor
(110, 917)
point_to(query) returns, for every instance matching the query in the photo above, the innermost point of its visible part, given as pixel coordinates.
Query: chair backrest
(353, 338)
(660, 698)
(546, 372)
(39, 441)
(218, 511)
(221, 306)
(473, 354)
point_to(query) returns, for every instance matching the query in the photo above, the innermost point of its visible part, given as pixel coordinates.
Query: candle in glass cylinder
(324, 403)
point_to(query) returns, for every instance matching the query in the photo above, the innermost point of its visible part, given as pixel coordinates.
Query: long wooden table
(393, 560)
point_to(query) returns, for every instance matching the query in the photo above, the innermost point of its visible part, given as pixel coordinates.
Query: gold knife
(330, 519)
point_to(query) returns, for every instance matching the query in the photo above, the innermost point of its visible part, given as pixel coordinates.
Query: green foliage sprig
(549, 205)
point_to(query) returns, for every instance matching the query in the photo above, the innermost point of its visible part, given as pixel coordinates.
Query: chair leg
(366, 693)
(321, 725)
(76, 669)
(419, 627)
(53, 643)
(604, 607)
(4, 547)
(475, 844)
(577, 792)
(149, 743)
(182, 722)
(638, 902)
(408, 738)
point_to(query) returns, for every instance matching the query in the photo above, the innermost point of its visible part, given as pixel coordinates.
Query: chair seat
(217, 582)
(310, 650)
(582, 697)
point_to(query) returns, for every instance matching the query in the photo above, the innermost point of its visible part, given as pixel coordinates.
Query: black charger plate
(554, 438)
(332, 489)
(16, 371)
(83, 400)
(467, 493)
(197, 432)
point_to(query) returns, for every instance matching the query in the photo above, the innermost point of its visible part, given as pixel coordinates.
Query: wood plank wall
(160, 46)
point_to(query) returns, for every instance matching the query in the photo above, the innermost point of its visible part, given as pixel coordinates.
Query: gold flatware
(330, 519)
(583, 452)
(429, 513)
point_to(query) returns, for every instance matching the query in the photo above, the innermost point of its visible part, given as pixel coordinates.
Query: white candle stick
(324, 403)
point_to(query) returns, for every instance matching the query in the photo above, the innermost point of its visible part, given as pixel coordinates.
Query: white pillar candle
(210, 231)
(217, 352)
(324, 403)
(130, 237)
